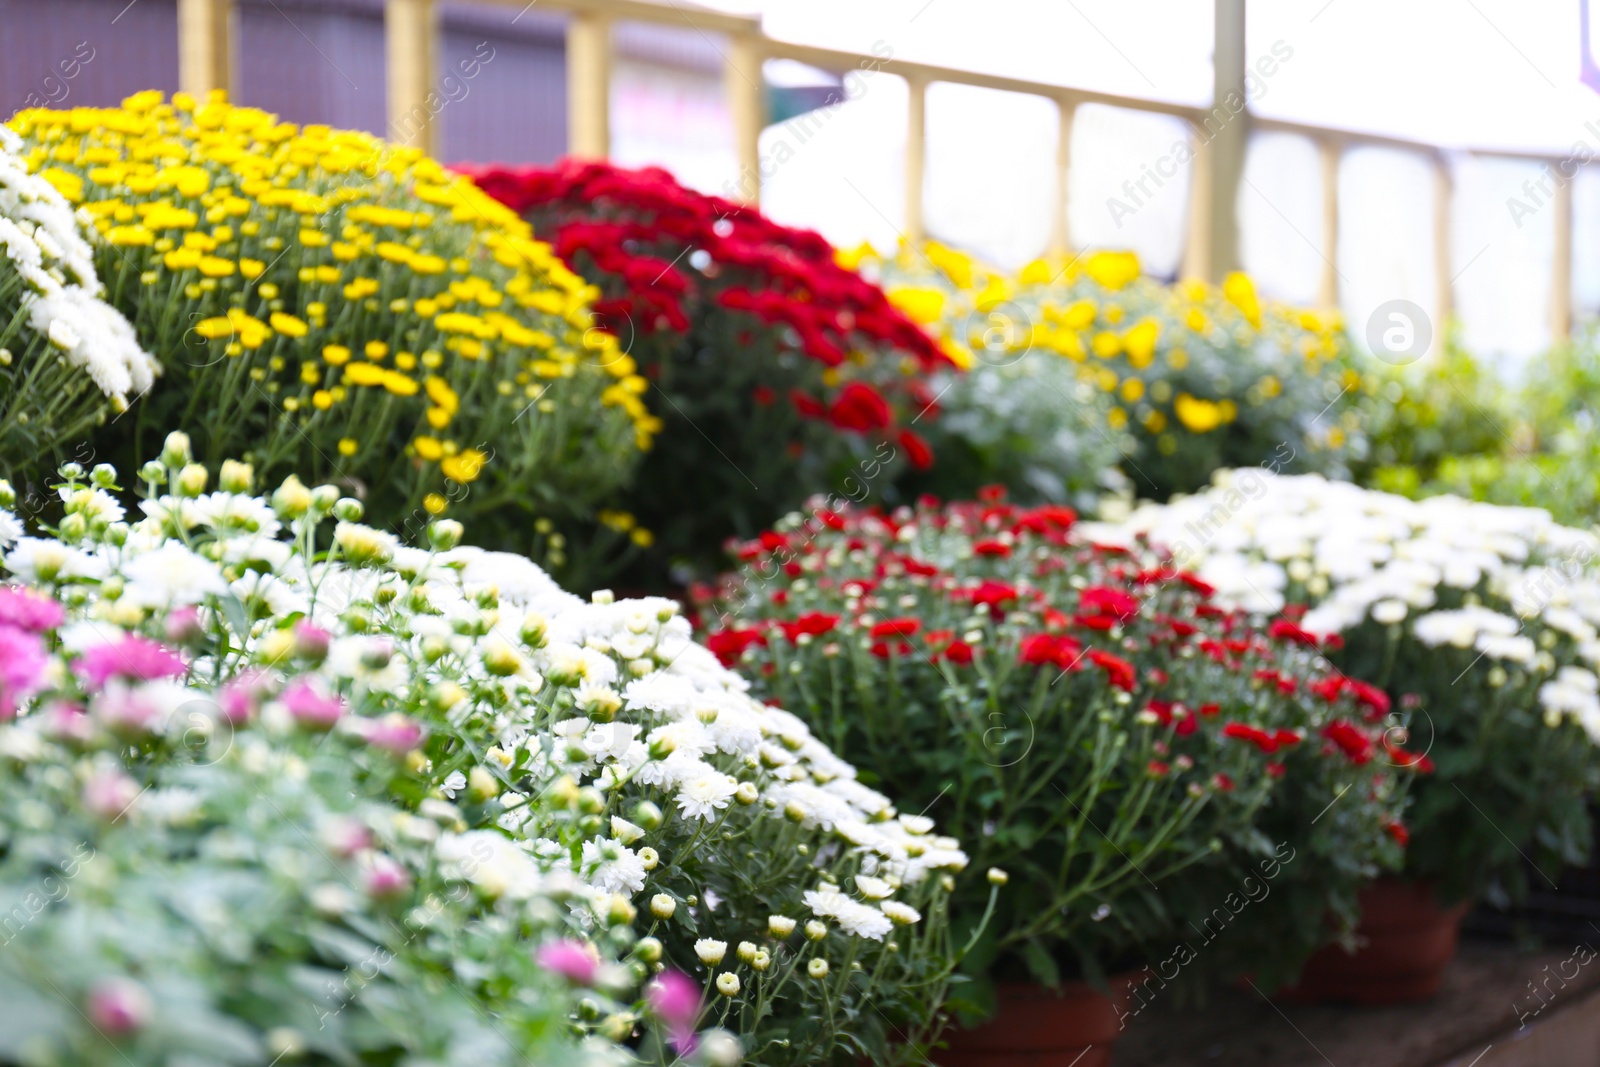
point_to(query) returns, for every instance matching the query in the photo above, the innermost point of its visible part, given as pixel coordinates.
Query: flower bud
(175, 452)
(648, 949)
(728, 984)
(817, 968)
(746, 951)
(236, 477)
(276, 646)
(481, 785)
(747, 793)
(649, 857)
(710, 951)
(620, 912)
(182, 625)
(385, 879)
(648, 815)
(323, 497)
(109, 793)
(998, 877)
(780, 926)
(445, 695)
(348, 509)
(191, 480)
(118, 1007)
(445, 534)
(8, 495)
(616, 1028)
(816, 930)
(311, 641)
(153, 473)
(533, 630)
(663, 906)
(499, 658)
(292, 499)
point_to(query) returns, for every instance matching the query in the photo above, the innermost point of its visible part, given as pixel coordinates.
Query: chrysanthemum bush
(209, 854)
(776, 370)
(334, 306)
(1482, 617)
(540, 748)
(1120, 748)
(68, 360)
(1191, 377)
(1460, 425)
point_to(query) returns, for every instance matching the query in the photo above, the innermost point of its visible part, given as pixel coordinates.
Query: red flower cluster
(668, 255)
(1090, 606)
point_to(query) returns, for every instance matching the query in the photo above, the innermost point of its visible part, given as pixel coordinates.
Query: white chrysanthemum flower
(363, 544)
(492, 862)
(172, 575)
(710, 951)
(704, 795)
(873, 888)
(45, 560)
(234, 513)
(900, 914)
(853, 917)
(10, 529)
(92, 504)
(612, 866)
(1515, 649)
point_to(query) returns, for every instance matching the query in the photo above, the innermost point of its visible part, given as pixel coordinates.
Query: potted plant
(327, 304)
(1175, 380)
(1115, 748)
(525, 739)
(1479, 621)
(777, 372)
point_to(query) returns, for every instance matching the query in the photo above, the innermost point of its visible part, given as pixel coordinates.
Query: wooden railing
(206, 46)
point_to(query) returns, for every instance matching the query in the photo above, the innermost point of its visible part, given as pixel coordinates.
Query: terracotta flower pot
(1407, 941)
(1039, 1027)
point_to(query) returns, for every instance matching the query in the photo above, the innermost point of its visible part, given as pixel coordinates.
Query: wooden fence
(207, 41)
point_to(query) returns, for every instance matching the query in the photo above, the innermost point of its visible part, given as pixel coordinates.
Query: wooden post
(205, 46)
(1060, 223)
(1443, 265)
(1328, 290)
(589, 85)
(916, 156)
(1197, 248)
(742, 80)
(1230, 117)
(1561, 256)
(409, 31)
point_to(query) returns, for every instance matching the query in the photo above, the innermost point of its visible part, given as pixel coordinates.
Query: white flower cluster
(41, 238)
(574, 694)
(682, 723)
(1360, 554)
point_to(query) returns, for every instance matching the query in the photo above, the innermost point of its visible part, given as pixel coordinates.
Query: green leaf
(1041, 965)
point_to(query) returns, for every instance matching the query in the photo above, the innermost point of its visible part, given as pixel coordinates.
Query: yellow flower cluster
(318, 287)
(1189, 356)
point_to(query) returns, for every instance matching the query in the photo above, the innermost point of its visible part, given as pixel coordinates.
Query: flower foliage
(335, 306)
(1190, 377)
(776, 367)
(1100, 730)
(539, 748)
(67, 358)
(1485, 616)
